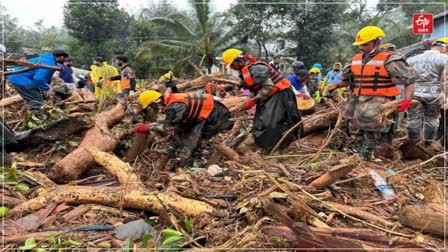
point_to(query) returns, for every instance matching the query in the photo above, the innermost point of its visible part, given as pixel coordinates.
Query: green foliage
(188, 224)
(30, 243)
(101, 28)
(172, 239)
(22, 187)
(128, 245)
(3, 211)
(198, 38)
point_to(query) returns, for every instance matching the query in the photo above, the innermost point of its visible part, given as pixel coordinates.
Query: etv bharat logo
(422, 23)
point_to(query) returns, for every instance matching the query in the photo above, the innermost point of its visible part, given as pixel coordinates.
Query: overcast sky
(51, 11)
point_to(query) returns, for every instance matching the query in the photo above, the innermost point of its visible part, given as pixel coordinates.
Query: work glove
(141, 128)
(250, 103)
(404, 105)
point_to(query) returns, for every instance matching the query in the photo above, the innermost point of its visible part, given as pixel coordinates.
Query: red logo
(422, 23)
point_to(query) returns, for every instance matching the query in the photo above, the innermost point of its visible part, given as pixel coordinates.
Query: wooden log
(55, 131)
(429, 218)
(198, 83)
(433, 193)
(75, 163)
(319, 121)
(21, 238)
(228, 152)
(130, 194)
(11, 100)
(346, 165)
(139, 144)
(76, 213)
(357, 212)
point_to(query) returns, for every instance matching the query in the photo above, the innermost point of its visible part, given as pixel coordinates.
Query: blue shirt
(38, 77)
(295, 82)
(334, 77)
(67, 74)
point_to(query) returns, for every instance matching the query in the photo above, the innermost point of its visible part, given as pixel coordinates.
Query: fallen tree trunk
(11, 100)
(139, 143)
(346, 165)
(319, 121)
(55, 131)
(75, 163)
(130, 194)
(429, 218)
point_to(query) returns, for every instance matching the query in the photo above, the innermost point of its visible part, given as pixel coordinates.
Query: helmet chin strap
(377, 42)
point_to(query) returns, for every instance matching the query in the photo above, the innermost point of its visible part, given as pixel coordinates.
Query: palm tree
(197, 38)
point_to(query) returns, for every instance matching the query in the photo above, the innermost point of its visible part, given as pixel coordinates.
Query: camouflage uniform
(362, 110)
(428, 91)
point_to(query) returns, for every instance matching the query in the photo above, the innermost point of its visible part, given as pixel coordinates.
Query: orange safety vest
(199, 106)
(212, 88)
(372, 79)
(125, 83)
(280, 83)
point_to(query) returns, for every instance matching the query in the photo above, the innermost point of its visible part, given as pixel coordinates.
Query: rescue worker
(192, 116)
(218, 90)
(432, 76)
(296, 66)
(314, 84)
(169, 81)
(276, 107)
(100, 72)
(126, 77)
(30, 84)
(298, 81)
(275, 63)
(334, 76)
(66, 75)
(375, 75)
(320, 67)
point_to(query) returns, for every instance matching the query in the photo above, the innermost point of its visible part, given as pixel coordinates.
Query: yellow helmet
(367, 34)
(440, 40)
(315, 70)
(229, 55)
(148, 97)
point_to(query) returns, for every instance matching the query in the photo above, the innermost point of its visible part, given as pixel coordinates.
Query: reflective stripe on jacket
(199, 105)
(372, 78)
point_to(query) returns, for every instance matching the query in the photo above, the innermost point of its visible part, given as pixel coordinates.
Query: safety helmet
(229, 55)
(148, 97)
(367, 34)
(298, 64)
(337, 63)
(315, 70)
(440, 41)
(318, 65)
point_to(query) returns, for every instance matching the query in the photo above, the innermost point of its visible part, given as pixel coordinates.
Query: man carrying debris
(192, 117)
(30, 84)
(169, 81)
(375, 75)
(126, 77)
(100, 73)
(432, 79)
(218, 90)
(66, 76)
(276, 107)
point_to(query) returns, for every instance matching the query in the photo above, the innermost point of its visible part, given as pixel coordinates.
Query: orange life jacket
(211, 88)
(125, 83)
(199, 106)
(280, 83)
(372, 79)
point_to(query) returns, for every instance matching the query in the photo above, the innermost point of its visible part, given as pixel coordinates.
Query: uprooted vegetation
(72, 189)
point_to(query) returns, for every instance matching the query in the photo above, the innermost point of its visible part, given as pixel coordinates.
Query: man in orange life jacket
(218, 90)
(276, 110)
(373, 76)
(192, 116)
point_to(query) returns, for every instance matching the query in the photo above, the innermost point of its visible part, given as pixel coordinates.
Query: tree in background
(100, 27)
(198, 38)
